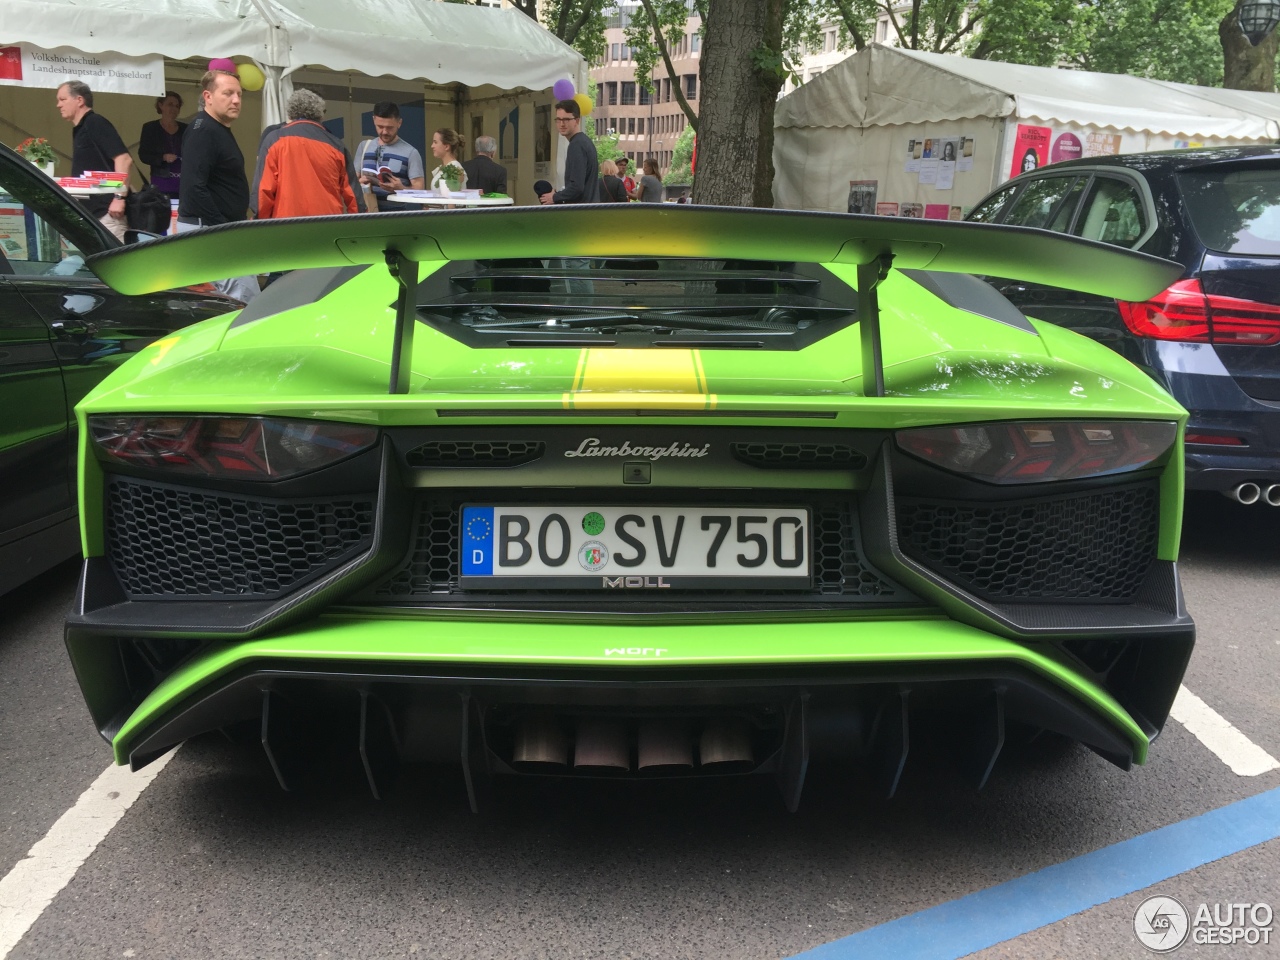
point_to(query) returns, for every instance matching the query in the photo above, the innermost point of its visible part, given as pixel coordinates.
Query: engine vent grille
(168, 541)
(840, 571)
(480, 453)
(799, 455)
(1094, 547)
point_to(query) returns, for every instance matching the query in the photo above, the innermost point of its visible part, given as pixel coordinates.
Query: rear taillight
(1035, 452)
(1184, 312)
(242, 448)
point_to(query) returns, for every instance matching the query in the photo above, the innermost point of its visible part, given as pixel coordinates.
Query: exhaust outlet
(1272, 495)
(1246, 493)
(540, 742)
(725, 744)
(664, 746)
(601, 745)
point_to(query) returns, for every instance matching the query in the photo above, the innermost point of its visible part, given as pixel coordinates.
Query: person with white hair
(303, 170)
(482, 171)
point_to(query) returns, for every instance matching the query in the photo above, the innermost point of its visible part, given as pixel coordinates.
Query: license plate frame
(675, 551)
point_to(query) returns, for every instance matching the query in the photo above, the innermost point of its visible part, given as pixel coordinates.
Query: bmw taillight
(1038, 451)
(1184, 312)
(241, 448)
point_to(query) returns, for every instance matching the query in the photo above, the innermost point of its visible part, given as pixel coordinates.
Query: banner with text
(23, 65)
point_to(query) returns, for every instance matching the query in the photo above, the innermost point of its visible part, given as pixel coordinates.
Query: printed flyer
(886, 209)
(862, 196)
(1030, 148)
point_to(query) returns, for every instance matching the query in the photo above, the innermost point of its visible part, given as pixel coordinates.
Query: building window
(691, 86)
(612, 89)
(882, 30)
(640, 125)
(695, 43)
(628, 93)
(617, 51)
(645, 95)
(631, 126)
(626, 52)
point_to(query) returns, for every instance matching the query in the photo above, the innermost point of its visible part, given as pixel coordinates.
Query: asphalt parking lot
(213, 860)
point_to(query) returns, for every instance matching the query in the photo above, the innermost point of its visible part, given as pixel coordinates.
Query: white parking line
(1242, 755)
(54, 859)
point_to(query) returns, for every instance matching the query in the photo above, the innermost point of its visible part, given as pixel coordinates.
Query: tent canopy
(883, 85)
(442, 43)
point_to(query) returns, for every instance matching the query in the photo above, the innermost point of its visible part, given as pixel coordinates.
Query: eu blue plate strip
(991, 916)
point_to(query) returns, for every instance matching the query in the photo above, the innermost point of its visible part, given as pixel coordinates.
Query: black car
(61, 331)
(1212, 339)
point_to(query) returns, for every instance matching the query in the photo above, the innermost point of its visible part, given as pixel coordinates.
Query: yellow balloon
(584, 103)
(251, 77)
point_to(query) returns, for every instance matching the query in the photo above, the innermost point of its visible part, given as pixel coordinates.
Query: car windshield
(650, 299)
(1233, 210)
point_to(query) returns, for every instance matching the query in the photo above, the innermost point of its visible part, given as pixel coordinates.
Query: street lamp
(1258, 18)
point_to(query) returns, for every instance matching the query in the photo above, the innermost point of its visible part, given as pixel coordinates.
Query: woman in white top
(446, 145)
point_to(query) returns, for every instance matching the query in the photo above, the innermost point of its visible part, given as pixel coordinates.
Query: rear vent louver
(799, 455)
(475, 453)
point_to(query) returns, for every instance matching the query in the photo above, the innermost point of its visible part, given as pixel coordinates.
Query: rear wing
(402, 240)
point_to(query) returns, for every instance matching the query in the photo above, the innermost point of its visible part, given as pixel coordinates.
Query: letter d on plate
(477, 541)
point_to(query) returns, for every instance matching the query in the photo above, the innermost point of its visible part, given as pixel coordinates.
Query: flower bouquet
(38, 151)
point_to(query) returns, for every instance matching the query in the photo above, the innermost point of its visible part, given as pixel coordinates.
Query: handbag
(148, 209)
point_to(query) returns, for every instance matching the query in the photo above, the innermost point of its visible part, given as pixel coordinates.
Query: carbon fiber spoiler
(402, 240)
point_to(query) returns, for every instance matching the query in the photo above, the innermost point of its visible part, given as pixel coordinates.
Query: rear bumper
(1199, 381)
(429, 675)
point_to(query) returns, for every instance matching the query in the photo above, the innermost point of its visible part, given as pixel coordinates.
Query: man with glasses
(581, 165)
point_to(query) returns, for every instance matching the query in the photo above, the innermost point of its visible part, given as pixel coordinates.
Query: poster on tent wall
(1030, 148)
(23, 65)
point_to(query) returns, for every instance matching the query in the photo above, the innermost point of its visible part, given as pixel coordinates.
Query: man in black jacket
(214, 188)
(482, 172)
(581, 165)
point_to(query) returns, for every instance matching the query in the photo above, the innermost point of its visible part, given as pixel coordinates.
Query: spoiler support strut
(869, 277)
(405, 272)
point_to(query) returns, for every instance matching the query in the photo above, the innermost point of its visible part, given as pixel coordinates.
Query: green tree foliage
(681, 170)
(651, 31)
(1162, 39)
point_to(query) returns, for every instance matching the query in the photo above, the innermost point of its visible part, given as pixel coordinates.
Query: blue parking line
(983, 919)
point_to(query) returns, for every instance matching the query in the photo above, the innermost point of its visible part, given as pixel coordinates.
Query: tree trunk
(742, 73)
(1247, 67)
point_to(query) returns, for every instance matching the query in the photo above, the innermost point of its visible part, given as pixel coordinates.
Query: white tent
(461, 61)
(875, 128)
(439, 42)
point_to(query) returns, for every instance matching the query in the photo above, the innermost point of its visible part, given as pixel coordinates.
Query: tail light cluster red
(1035, 452)
(242, 448)
(1185, 312)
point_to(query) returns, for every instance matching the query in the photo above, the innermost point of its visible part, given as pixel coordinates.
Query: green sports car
(658, 491)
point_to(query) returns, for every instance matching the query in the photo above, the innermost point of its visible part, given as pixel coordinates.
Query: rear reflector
(1216, 439)
(1035, 452)
(1185, 313)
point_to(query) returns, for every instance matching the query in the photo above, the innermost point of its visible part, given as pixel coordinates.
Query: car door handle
(74, 329)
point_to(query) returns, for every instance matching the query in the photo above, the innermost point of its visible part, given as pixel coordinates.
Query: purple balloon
(563, 90)
(223, 63)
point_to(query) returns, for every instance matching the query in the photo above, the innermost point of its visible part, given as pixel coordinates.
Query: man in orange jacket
(303, 170)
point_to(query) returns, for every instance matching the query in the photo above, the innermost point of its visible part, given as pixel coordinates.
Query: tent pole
(405, 272)
(869, 277)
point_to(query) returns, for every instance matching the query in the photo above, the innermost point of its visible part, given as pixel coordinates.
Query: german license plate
(633, 546)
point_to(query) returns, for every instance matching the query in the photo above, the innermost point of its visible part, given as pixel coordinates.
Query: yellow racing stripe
(651, 378)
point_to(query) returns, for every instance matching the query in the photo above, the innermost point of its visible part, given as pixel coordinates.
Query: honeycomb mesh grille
(1095, 547)
(173, 542)
(460, 453)
(807, 455)
(431, 569)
